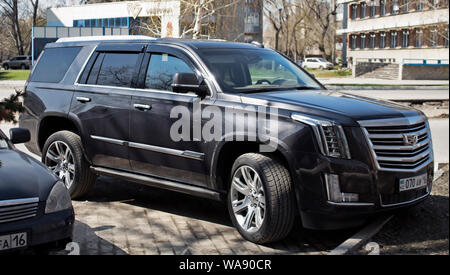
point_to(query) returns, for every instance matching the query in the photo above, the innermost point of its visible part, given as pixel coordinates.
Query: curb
(360, 238)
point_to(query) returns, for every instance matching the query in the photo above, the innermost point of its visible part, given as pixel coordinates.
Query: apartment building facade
(404, 34)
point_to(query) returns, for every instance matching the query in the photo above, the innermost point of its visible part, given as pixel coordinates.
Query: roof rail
(104, 38)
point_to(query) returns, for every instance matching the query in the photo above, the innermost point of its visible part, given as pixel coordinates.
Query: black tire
(84, 179)
(6, 67)
(23, 67)
(279, 211)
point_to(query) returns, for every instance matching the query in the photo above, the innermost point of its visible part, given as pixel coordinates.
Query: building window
(406, 6)
(353, 42)
(393, 39)
(363, 9)
(405, 39)
(395, 7)
(382, 7)
(419, 38)
(75, 23)
(373, 8)
(363, 42)
(354, 11)
(434, 37)
(420, 5)
(382, 40)
(372, 41)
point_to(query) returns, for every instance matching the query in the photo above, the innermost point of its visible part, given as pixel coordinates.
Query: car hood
(21, 177)
(345, 108)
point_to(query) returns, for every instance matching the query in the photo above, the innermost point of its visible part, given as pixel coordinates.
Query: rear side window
(117, 69)
(112, 69)
(53, 64)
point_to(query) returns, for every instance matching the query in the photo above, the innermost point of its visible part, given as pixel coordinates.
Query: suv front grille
(402, 144)
(15, 210)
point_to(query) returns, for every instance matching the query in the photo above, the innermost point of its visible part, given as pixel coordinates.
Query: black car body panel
(125, 131)
(24, 178)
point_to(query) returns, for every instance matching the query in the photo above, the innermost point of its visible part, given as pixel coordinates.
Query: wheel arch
(51, 123)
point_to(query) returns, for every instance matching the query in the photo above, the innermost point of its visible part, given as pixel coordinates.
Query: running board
(159, 183)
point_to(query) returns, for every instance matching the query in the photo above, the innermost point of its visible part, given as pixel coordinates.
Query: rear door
(102, 103)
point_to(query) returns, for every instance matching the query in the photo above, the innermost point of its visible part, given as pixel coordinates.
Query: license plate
(13, 241)
(413, 183)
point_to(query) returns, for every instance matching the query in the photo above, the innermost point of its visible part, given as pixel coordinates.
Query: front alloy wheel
(261, 198)
(248, 199)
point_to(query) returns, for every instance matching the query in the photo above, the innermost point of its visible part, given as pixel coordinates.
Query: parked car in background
(22, 62)
(317, 63)
(35, 206)
(338, 159)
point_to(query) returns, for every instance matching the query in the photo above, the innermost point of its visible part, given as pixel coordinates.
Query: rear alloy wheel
(63, 154)
(6, 67)
(260, 199)
(23, 67)
(59, 159)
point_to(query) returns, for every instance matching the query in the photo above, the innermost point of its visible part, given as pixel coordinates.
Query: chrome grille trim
(14, 210)
(385, 140)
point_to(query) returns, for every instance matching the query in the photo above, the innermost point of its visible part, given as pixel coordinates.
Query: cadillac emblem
(410, 139)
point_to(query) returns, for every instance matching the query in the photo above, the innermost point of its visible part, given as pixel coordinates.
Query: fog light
(334, 191)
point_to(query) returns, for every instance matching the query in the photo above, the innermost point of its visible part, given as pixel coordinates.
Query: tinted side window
(161, 70)
(117, 69)
(53, 64)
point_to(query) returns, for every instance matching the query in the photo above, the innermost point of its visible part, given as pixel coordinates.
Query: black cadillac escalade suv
(225, 121)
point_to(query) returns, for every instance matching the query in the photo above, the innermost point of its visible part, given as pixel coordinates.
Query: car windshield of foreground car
(248, 70)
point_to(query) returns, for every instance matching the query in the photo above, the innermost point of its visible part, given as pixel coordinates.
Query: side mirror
(19, 135)
(186, 82)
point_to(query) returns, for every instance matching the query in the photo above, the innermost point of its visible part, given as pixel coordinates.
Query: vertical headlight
(330, 136)
(58, 199)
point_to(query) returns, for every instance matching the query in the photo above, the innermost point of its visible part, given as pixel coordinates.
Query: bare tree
(10, 9)
(35, 10)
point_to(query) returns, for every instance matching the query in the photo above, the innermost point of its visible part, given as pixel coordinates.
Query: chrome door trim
(110, 140)
(152, 148)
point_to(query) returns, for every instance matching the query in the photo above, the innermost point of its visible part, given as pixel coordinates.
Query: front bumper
(378, 192)
(43, 229)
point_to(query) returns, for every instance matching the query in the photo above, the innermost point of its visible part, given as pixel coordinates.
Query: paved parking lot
(120, 218)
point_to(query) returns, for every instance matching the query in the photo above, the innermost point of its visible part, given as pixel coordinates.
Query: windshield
(248, 70)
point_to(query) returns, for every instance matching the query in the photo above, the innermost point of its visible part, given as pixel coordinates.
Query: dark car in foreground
(35, 206)
(22, 62)
(226, 121)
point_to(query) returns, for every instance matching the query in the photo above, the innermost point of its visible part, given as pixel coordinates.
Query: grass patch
(330, 73)
(14, 75)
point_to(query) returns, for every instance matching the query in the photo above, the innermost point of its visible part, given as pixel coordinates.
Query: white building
(402, 33)
(241, 20)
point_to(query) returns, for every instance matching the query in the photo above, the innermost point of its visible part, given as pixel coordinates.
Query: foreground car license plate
(413, 183)
(13, 241)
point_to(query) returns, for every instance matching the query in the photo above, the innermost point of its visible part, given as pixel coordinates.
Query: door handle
(142, 107)
(83, 99)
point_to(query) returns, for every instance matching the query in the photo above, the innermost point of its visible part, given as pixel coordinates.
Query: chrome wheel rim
(59, 159)
(248, 199)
